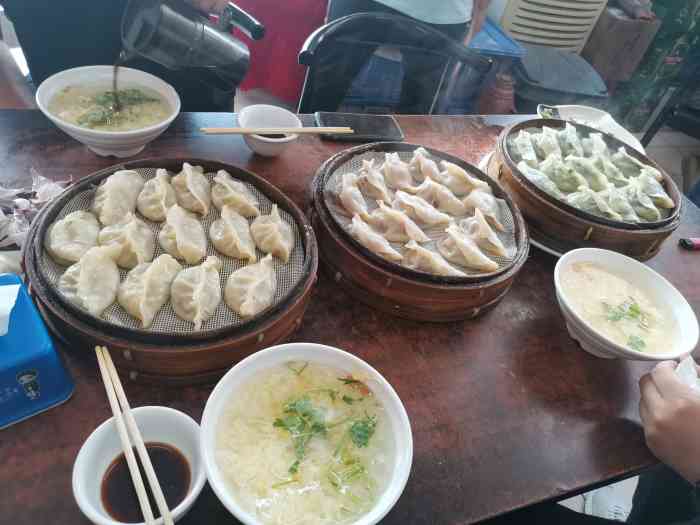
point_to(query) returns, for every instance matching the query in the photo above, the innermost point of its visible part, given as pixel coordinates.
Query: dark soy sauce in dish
(118, 493)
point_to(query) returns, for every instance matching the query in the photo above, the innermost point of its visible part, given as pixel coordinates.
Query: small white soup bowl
(323, 355)
(268, 116)
(106, 143)
(160, 424)
(641, 276)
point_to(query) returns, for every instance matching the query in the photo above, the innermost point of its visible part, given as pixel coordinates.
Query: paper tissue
(688, 373)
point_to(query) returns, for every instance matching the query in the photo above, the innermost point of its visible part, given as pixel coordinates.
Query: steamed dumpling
(156, 197)
(192, 189)
(396, 172)
(479, 230)
(616, 198)
(395, 225)
(649, 185)
(422, 166)
(273, 235)
(614, 175)
(372, 240)
(419, 209)
(522, 144)
(540, 180)
(459, 181)
(251, 289)
(459, 248)
(196, 292)
(230, 235)
(371, 182)
(488, 204)
(183, 236)
(586, 167)
(546, 143)
(595, 145)
(564, 177)
(228, 191)
(630, 166)
(569, 141)
(117, 196)
(439, 196)
(92, 282)
(422, 259)
(67, 240)
(589, 201)
(641, 202)
(350, 195)
(147, 288)
(135, 239)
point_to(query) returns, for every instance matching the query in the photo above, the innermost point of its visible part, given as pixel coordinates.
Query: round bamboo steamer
(563, 228)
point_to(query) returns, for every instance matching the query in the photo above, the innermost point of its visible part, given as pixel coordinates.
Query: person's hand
(209, 6)
(670, 413)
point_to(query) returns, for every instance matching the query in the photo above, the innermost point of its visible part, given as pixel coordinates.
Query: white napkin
(8, 298)
(688, 373)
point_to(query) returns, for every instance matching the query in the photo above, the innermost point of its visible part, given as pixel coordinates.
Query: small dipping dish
(157, 425)
(268, 116)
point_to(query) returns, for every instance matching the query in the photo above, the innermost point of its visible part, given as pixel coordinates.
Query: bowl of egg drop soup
(306, 433)
(617, 307)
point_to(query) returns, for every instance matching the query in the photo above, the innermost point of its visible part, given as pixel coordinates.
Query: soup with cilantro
(93, 107)
(618, 310)
(305, 443)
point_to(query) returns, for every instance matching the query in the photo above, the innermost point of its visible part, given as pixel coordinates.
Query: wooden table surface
(506, 410)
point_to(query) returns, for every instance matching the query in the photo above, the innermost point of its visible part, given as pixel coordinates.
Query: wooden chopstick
(138, 440)
(277, 131)
(124, 438)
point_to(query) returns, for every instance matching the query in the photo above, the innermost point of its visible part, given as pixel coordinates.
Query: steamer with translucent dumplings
(170, 351)
(422, 286)
(561, 227)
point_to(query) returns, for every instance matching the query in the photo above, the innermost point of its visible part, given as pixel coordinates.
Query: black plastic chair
(337, 51)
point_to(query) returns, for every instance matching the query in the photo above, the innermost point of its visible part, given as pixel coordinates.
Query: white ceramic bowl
(641, 276)
(325, 355)
(267, 116)
(162, 424)
(106, 143)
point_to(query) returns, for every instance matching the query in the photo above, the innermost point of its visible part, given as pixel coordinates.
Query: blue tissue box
(32, 376)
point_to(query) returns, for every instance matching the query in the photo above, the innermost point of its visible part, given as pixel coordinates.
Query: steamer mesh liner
(166, 321)
(436, 233)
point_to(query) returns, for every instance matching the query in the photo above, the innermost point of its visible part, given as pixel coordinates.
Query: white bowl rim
(290, 136)
(616, 348)
(102, 133)
(196, 484)
(398, 482)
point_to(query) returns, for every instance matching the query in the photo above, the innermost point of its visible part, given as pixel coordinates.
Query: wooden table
(506, 410)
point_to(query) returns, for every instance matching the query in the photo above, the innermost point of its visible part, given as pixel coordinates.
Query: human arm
(479, 8)
(670, 413)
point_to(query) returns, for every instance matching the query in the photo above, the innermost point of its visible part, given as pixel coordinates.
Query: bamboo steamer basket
(397, 290)
(178, 358)
(561, 227)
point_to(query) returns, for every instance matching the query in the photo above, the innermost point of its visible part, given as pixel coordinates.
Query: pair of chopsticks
(117, 397)
(341, 130)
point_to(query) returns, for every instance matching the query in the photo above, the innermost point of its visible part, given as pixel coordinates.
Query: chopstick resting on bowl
(341, 130)
(117, 397)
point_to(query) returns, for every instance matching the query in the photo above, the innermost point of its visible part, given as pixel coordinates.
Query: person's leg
(663, 497)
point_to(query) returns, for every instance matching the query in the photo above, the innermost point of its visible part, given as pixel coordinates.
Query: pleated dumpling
(67, 240)
(627, 164)
(596, 179)
(595, 145)
(418, 258)
(480, 231)
(251, 289)
(92, 282)
(614, 175)
(616, 198)
(592, 202)
(196, 292)
(642, 203)
(653, 188)
(422, 166)
(230, 235)
(228, 191)
(373, 241)
(395, 225)
(459, 181)
(117, 196)
(396, 172)
(488, 204)
(147, 288)
(192, 189)
(350, 195)
(419, 210)
(439, 196)
(569, 141)
(564, 177)
(273, 235)
(371, 182)
(539, 179)
(156, 197)
(458, 248)
(134, 238)
(523, 148)
(183, 236)
(546, 143)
